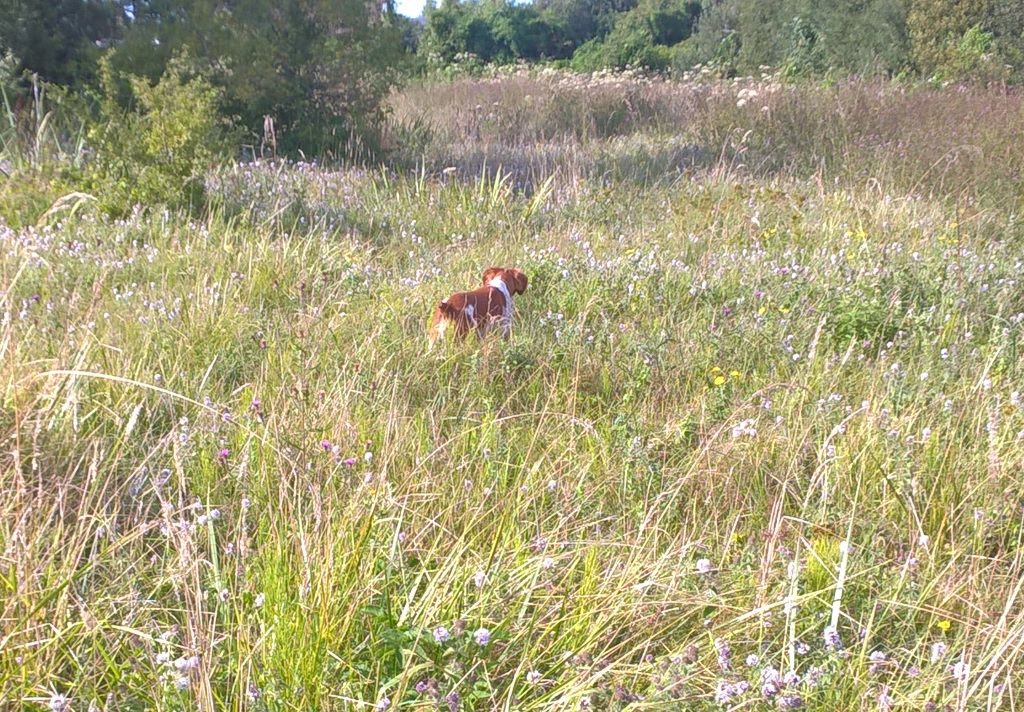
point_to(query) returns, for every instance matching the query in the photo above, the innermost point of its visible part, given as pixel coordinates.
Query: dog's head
(514, 279)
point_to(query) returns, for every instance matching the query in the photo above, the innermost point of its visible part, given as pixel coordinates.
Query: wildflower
(349, 462)
(724, 692)
(814, 675)
(703, 566)
(938, 651)
(482, 636)
(260, 600)
(441, 634)
(878, 660)
(59, 703)
(885, 700)
(752, 660)
(771, 682)
(960, 670)
(326, 445)
(181, 683)
(184, 664)
(790, 702)
(832, 639)
(222, 456)
(724, 655)
(421, 687)
(479, 579)
(802, 648)
(163, 658)
(383, 703)
(791, 678)
(224, 595)
(453, 701)
(944, 625)
(533, 677)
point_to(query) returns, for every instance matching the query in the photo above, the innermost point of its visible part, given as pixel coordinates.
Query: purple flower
(832, 639)
(223, 455)
(349, 462)
(790, 702)
(482, 636)
(453, 701)
(441, 634)
(724, 654)
(703, 566)
(724, 692)
(326, 445)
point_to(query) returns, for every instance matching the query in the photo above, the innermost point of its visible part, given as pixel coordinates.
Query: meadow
(756, 441)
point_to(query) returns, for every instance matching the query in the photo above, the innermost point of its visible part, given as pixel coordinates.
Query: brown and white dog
(479, 310)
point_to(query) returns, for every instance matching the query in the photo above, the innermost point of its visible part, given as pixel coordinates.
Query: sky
(410, 8)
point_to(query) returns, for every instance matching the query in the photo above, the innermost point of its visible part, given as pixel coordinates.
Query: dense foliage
(947, 39)
(319, 69)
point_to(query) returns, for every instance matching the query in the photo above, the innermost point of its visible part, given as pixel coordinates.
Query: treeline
(942, 39)
(310, 74)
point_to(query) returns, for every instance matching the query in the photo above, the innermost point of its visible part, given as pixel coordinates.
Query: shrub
(158, 150)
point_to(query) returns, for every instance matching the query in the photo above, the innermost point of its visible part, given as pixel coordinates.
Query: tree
(60, 40)
(319, 68)
(641, 37)
(495, 31)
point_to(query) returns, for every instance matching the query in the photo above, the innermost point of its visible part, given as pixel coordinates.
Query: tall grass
(940, 142)
(755, 442)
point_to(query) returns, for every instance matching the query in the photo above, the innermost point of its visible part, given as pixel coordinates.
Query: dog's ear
(492, 272)
(518, 279)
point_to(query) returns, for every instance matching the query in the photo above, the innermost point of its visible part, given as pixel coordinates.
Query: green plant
(158, 150)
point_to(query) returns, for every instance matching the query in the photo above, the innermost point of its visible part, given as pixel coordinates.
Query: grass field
(756, 441)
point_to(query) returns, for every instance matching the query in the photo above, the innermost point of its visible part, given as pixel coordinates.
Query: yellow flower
(783, 310)
(735, 374)
(715, 369)
(944, 625)
(719, 380)
(761, 311)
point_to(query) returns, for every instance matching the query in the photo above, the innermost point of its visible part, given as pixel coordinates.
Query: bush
(157, 151)
(319, 68)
